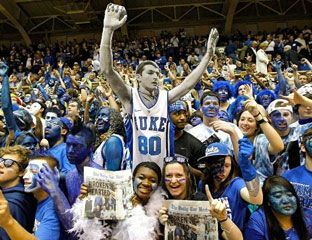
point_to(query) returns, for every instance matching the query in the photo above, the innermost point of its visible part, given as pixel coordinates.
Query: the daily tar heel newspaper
(109, 193)
(190, 220)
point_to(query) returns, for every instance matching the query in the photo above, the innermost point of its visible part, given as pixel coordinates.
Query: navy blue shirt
(22, 207)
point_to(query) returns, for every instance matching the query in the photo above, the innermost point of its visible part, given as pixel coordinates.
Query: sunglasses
(176, 158)
(9, 162)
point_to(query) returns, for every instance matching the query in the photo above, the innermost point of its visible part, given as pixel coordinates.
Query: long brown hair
(274, 228)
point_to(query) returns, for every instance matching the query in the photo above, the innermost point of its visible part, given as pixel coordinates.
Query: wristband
(223, 220)
(257, 115)
(261, 121)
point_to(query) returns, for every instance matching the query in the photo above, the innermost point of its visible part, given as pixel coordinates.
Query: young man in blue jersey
(79, 151)
(47, 225)
(147, 105)
(301, 177)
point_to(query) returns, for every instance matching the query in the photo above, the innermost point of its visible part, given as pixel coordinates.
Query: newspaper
(190, 220)
(109, 194)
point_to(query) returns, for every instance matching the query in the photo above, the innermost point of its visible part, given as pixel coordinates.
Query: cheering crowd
(193, 120)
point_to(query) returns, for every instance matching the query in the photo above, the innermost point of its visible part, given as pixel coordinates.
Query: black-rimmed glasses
(9, 162)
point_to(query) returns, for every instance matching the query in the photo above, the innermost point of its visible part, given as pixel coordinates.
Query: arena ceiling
(32, 17)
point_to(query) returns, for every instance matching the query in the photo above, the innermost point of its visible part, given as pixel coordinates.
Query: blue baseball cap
(213, 150)
(67, 123)
(177, 106)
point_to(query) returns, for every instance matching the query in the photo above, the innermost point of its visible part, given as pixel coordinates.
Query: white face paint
(35, 108)
(30, 182)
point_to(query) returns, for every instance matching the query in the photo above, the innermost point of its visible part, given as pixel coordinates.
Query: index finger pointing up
(208, 193)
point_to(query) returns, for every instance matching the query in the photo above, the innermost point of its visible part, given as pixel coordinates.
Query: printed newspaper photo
(109, 193)
(190, 220)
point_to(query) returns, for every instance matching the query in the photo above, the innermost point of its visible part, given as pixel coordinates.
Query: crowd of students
(193, 120)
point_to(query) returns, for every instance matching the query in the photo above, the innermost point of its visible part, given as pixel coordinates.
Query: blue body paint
(278, 121)
(76, 149)
(282, 200)
(103, 120)
(210, 106)
(223, 94)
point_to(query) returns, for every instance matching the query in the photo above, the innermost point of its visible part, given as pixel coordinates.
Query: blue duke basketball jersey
(150, 136)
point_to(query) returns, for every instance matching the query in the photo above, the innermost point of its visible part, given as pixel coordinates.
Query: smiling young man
(281, 116)
(213, 129)
(147, 105)
(22, 205)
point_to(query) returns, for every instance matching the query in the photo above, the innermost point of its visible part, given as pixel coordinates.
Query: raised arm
(115, 17)
(191, 80)
(6, 99)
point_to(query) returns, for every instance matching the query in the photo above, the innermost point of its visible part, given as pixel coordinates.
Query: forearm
(276, 144)
(230, 230)
(112, 103)
(62, 208)
(16, 231)
(234, 139)
(86, 116)
(7, 104)
(43, 92)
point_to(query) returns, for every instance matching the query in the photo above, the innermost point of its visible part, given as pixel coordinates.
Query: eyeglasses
(9, 162)
(176, 158)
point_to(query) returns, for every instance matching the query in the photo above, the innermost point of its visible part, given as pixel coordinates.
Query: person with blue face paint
(224, 91)
(111, 153)
(79, 151)
(280, 115)
(301, 178)
(47, 223)
(27, 140)
(265, 97)
(196, 118)
(280, 217)
(55, 132)
(212, 126)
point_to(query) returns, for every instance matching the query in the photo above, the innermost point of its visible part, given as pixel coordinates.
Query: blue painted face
(210, 107)
(51, 81)
(308, 146)
(103, 120)
(282, 200)
(223, 115)
(278, 121)
(93, 109)
(239, 108)
(195, 121)
(76, 149)
(53, 126)
(30, 143)
(223, 94)
(265, 100)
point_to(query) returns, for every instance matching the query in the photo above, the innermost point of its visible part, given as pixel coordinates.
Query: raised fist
(115, 16)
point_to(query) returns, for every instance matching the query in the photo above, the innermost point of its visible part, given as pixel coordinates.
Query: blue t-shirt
(257, 228)
(301, 179)
(59, 152)
(238, 207)
(47, 224)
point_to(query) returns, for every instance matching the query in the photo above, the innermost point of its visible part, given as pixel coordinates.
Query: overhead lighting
(75, 11)
(82, 22)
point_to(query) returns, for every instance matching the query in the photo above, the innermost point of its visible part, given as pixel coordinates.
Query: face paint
(103, 120)
(265, 100)
(29, 142)
(30, 181)
(282, 200)
(76, 149)
(278, 121)
(223, 115)
(239, 108)
(51, 81)
(93, 109)
(210, 107)
(217, 167)
(136, 184)
(223, 94)
(195, 121)
(308, 146)
(53, 126)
